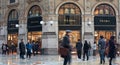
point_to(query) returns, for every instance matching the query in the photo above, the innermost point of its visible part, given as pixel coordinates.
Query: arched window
(34, 11)
(104, 9)
(13, 15)
(69, 14)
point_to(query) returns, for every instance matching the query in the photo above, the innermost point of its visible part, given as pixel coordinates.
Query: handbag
(63, 51)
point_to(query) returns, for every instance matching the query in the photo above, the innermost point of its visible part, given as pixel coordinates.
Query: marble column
(50, 36)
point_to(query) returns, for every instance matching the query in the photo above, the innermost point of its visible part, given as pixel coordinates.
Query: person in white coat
(94, 47)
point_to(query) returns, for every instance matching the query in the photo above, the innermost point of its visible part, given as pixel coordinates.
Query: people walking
(112, 49)
(79, 48)
(66, 44)
(85, 50)
(29, 49)
(22, 49)
(101, 49)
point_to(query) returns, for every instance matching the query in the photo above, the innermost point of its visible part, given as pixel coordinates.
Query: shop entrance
(74, 36)
(34, 36)
(106, 34)
(70, 19)
(104, 21)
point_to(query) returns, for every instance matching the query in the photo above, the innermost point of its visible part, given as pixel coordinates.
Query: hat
(68, 31)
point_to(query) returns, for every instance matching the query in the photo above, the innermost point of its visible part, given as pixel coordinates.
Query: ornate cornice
(31, 1)
(71, 0)
(104, 0)
(13, 5)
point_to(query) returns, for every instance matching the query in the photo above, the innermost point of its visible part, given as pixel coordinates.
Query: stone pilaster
(50, 36)
(22, 31)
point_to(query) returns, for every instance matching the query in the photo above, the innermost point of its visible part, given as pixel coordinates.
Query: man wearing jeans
(101, 48)
(66, 44)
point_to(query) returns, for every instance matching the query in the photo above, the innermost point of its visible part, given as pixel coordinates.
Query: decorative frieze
(31, 1)
(69, 0)
(105, 0)
(12, 5)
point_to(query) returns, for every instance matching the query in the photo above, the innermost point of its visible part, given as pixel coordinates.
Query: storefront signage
(105, 20)
(33, 24)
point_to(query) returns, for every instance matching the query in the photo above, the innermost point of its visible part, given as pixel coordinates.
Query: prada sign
(33, 24)
(11, 26)
(104, 20)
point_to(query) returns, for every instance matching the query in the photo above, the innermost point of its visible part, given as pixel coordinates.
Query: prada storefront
(33, 24)
(12, 30)
(104, 22)
(70, 19)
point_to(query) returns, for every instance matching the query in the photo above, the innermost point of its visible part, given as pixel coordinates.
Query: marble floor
(49, 60)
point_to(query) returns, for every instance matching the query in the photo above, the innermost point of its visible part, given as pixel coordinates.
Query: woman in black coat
(112, 49)
(85, 50)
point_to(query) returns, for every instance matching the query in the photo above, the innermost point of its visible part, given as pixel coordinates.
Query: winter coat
(86, 47)
(112, 49)
(22, 48)
(66, 42)
(101, 44)
(79, 46)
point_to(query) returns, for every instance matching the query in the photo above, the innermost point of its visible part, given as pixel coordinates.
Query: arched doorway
(70, 19)
(33, 24)
(104, 21)
(12, 30)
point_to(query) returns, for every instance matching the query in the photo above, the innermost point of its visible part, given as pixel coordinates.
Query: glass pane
(69, 14)
(12, 1)
(34, 11)
(104, 9)
(13, 15)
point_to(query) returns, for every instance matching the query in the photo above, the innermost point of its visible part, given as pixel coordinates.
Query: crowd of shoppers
(29, 48)
(103, 47)
(86, 48)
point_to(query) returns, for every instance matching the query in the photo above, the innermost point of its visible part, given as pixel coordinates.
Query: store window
(12, 30)
(12, 1)
(104, 9)
(69, 14)
(13, 15)
(104, 22)
(34, 11)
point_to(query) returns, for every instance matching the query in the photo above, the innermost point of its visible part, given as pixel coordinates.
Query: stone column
(22, 31)
(50, 35)
(118, 29)
(89, 29)
(3, 35)
(87, 23)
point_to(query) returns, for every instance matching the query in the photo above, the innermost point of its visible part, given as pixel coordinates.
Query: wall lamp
(89, 23)
(47, 23)
(17, 25)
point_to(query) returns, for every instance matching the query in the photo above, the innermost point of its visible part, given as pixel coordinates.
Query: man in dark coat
(112, 49)
(22, 49)
(79, 48)
(66, 44)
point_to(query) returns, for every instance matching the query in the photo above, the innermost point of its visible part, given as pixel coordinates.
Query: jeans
(85, 53)
(102, 56)
(22, 56)
(79, 54)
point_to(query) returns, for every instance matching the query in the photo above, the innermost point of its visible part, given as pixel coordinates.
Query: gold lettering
(105, 21)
